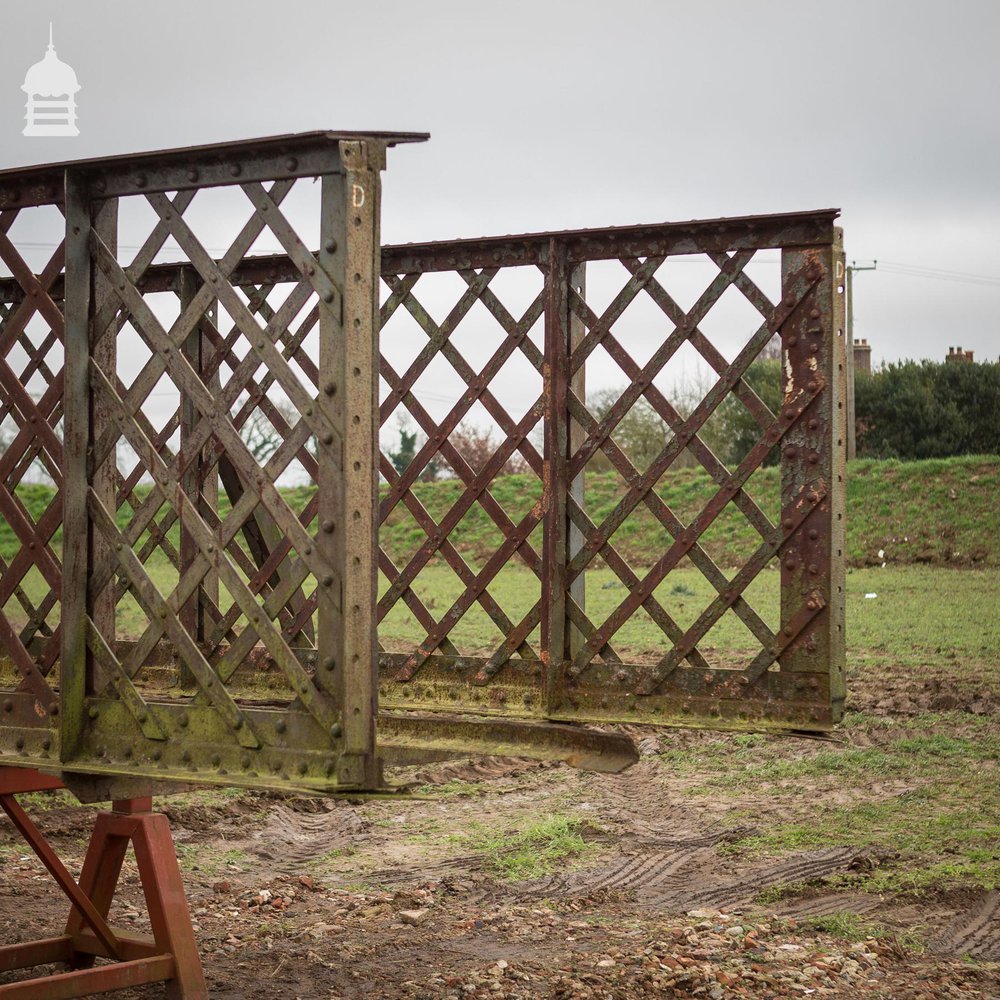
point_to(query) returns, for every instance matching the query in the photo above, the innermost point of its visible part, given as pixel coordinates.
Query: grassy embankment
(916, 517)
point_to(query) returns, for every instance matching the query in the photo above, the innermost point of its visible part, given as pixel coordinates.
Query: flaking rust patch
(789, 378)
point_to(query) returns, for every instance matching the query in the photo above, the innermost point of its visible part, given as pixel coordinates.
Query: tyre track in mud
(290, 839)
(828, 904)
(675, 881)
(642, 808)
(975, 933)
(474, 770)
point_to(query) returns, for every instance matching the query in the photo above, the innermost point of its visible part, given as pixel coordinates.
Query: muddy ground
(297, 897)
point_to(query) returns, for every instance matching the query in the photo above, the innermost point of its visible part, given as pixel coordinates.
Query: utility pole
(849, 288)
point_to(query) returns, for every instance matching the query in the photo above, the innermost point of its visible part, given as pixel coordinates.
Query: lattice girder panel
(31, 410)
(512, 642)
(221, 583)
(788, 670)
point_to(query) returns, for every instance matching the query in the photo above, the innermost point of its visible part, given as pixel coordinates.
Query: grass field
(935, 512)
(916, 517)
(904, 792)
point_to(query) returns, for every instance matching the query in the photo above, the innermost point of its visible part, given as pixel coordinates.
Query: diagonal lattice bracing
(167, 540)
(184, 604)
(590, 665)
(30, 413)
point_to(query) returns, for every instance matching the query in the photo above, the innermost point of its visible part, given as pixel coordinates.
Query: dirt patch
(676, 889)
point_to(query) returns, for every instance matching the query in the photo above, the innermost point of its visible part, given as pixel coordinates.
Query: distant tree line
(908, 410)
(924, 409)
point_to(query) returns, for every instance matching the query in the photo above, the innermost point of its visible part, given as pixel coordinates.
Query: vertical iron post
(348, 486)
(104, 351)
(75, 599)
(555, 527)
(813, 465)
(577, 436)
(198, 482)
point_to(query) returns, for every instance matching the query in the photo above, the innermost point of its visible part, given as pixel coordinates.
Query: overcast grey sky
(553, 115)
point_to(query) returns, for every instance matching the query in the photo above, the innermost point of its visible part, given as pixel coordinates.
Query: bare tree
(477, 446)
(263, 439)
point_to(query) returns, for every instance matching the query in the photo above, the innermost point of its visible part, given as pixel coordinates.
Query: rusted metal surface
(581, 670)
(222, 589)
(170, 956)
(250, 588)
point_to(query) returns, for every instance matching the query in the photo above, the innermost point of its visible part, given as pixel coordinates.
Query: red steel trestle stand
(170, 956)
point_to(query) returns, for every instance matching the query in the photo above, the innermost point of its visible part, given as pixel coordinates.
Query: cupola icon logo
(51, 87)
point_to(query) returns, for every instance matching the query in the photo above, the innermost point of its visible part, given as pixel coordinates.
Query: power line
(938, 274)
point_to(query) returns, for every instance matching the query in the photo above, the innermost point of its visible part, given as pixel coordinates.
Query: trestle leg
(169, 956)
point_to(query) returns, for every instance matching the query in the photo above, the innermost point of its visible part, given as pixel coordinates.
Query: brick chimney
(862, 357)
(957, 356)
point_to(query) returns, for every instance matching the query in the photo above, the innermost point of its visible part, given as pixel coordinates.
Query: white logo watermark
(51, 87)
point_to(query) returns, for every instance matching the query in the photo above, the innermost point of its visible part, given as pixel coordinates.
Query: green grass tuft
(536, 849)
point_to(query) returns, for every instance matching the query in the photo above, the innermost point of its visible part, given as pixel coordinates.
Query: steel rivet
(327, 439)
(330, 388)
(813, 534)
(192, 174)
(280, 725)
(328, 527)
(336, 730)
(291, 163)
(328, 580)
(328, 296)
(8, 705)
(235, 169)
(793, 340)
(140, 181)
(789, 564)
(93, 712)
(329, 663)
(331, 246)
